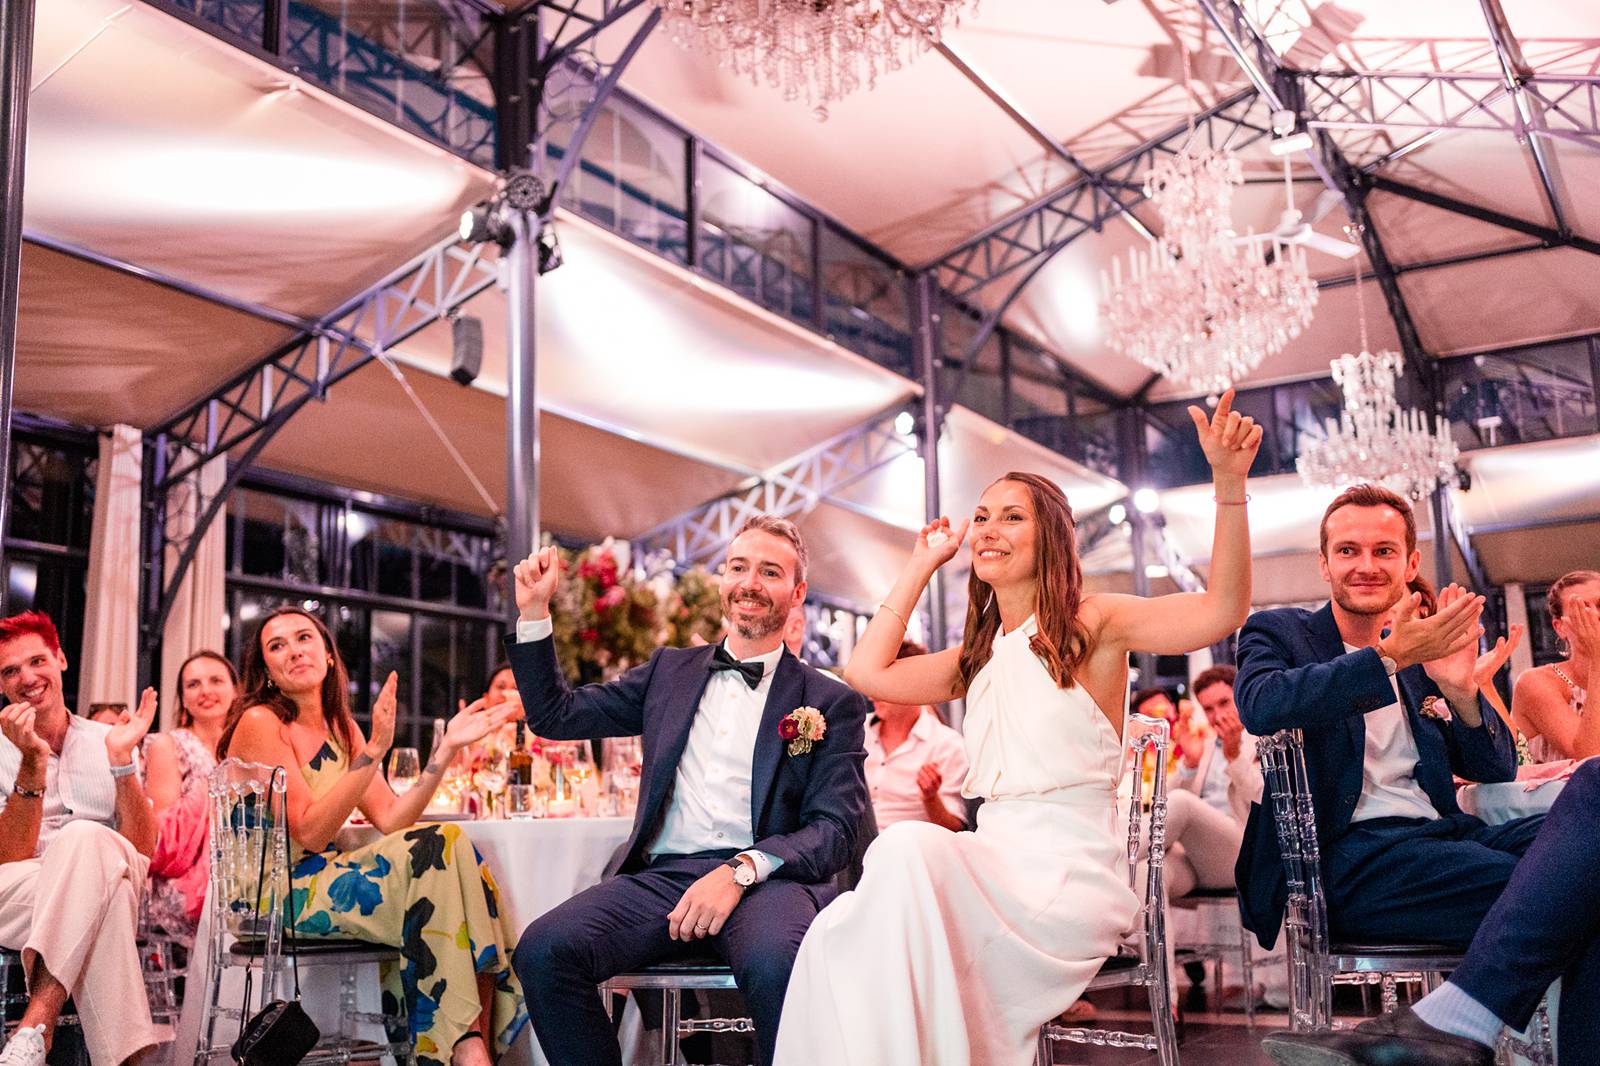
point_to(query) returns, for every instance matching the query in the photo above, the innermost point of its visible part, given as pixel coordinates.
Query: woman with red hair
(956, 947)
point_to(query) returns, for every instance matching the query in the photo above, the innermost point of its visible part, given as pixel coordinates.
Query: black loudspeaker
(466, 356)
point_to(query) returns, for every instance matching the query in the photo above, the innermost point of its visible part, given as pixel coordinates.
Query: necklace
(1578, 695)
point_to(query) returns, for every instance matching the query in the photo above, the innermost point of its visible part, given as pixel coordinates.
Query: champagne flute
(405, 766)
(492, 776)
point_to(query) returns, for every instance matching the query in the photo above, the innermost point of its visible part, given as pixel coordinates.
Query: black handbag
(281, 1033)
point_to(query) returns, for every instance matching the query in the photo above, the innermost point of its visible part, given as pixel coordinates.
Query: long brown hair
(260, 691)
(186, 716)
(1062, 640)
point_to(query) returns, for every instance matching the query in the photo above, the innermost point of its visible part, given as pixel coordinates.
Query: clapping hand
(937, 544)
(1583, 628)
(1229, 439)
(16, 723)
(535, 580)
(1452, 666)
(929, 781)
(477, 720)
(382, 735)
(1490, 662)
(130, 729)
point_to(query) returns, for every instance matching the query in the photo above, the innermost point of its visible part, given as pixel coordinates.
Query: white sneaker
(25, 1048)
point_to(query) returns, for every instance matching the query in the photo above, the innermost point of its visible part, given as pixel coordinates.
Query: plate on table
(444, 816)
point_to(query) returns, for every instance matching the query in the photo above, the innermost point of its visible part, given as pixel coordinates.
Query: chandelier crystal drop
(813, 50)
(1198, 306)
(1376, 440)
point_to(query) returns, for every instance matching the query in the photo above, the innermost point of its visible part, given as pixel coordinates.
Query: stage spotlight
(905, 423)
(549, 248)
(1146, 501)
(466, 348)
(476, 224)
(1118, 514)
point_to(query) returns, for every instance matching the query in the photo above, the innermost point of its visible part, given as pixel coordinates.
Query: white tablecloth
(1504, 800)
(537, 864)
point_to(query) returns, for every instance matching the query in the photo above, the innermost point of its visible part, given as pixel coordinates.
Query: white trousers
(77, 907)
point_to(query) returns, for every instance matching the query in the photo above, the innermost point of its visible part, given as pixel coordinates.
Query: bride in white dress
(956, 947)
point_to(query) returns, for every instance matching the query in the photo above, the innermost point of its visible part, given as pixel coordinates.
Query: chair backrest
(248, 834)
(1305, 921)
(1147, 740)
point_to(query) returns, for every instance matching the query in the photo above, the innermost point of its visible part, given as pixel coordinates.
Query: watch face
(744, 876)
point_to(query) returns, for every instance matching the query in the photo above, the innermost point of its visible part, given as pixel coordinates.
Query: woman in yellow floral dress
(421, 888)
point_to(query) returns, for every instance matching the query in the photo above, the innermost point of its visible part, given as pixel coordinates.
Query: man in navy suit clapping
(751, 796)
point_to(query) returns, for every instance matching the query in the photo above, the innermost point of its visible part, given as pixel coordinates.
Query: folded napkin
(1532, 775)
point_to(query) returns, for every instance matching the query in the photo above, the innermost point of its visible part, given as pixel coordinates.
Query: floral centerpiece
(611, 612)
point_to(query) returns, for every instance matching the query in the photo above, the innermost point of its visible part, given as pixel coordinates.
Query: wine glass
(583, 773)
(491, 777)
(405, 766)
(627, 756)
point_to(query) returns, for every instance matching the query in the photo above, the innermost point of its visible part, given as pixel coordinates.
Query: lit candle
(563, 808)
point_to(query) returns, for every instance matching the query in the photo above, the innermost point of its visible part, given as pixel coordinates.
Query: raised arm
(1173, 625)
(136, 820)
(391, 813)
(19, 820)
(873, 669)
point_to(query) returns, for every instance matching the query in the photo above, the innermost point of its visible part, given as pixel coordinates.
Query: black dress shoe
(1397, 1039)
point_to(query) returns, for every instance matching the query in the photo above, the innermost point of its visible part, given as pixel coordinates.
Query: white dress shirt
(77, 783)
(709, 806)
(892, 775)
(1389, 786)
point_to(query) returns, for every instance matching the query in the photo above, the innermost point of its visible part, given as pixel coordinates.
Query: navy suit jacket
(1295, 674)
(804, 809)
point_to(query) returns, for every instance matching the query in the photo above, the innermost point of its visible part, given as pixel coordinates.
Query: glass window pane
(1527, 395)
(868, 303)
(1303, 410)
(753, 242)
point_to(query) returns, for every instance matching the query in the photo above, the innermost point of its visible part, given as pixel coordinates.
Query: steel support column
(522, 401)
(1515, 68)
(931, 422)
(16, 66)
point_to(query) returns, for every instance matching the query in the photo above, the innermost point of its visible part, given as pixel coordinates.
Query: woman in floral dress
(421, 888)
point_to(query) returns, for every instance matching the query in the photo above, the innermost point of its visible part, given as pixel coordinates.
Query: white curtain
(196, 619)
(108, 671)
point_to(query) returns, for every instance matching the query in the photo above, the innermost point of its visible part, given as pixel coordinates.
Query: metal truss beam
(1515, 68)
(1031, 235)
(1259, 61)
(1023, 244)
(1429, 101)
(699, 536)
(1551, 237)
(248, 410)
(1456, 533)
(1040, 135)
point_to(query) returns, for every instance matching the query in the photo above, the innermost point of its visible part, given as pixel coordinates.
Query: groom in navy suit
(740, 824)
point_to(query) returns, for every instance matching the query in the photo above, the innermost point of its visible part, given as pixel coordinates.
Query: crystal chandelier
(818, 50)
(1195, 307)
(1199, 306)
(1376, 440)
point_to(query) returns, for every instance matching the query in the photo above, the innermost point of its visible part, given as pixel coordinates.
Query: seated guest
(76, 833)
(502, 686)
(1220, 769)
(1532, 935)
(177, 766)
(1389, 715)
(107, 713)
(1547, 703)
(422, 889)
(751, 798)
(915, 763)
(1154, 702)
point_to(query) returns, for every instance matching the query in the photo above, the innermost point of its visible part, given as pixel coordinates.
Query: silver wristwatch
(744, 873)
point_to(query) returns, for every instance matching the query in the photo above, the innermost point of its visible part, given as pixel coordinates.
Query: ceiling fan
(1293, 227)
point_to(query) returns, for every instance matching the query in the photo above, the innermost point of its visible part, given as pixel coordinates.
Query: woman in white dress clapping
(956, 947)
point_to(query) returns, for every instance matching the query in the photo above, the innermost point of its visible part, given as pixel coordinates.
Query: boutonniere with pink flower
(802, 727)
(1437, 708)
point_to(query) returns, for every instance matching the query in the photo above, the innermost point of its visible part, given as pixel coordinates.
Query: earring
(271, 684)
(330, 662)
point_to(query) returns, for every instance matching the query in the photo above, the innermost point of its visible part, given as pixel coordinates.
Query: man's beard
(1342, 598)
(758, 628)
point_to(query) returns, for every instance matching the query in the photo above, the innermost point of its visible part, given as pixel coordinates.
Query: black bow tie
(722, 660)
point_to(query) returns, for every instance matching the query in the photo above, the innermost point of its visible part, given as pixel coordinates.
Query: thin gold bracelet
(897, 614)
(1231, 503)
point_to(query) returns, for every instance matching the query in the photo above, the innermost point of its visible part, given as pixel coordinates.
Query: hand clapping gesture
(1446, 642)
(1229, 439)
(1490, 662)
(130, 729)
(477, 720)
(382, 735)
(16, 722)
(1583, 628)
(535, 580)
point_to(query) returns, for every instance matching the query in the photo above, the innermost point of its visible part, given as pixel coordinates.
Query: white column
(108, 671)
(1517, 615)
